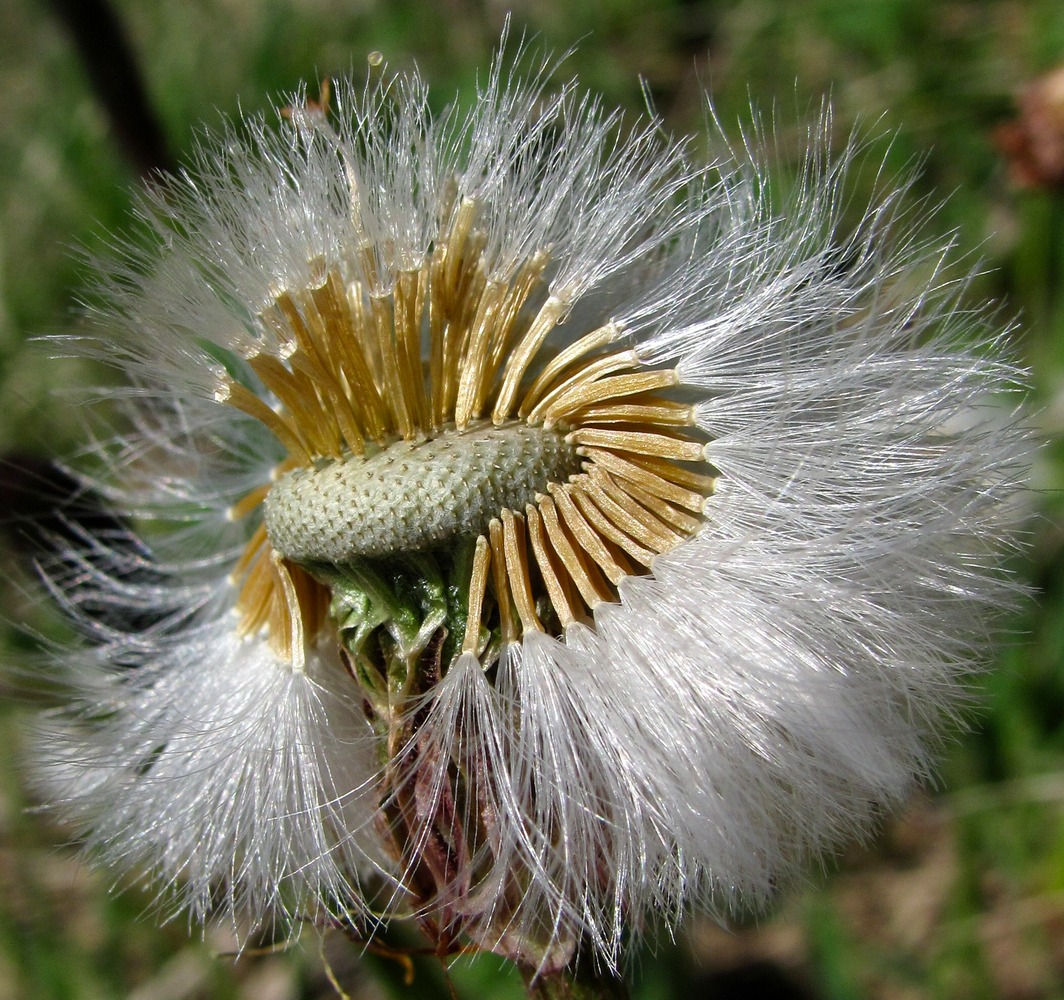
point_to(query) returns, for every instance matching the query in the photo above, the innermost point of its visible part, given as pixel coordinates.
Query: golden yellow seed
(585, 575)
(641, 472)
(245, 505)
(657, 445)
(513, 537)
(563, 608)
(340, 336)
(256, 598)
(607, 528)
(332, 342)
(395, 398)
(409, 298)
(457, 282)
(525, 281)
(603, 389)
(618, 506)
(251, 550)
(335, 399)
(289, 614)
(471, 388)
(550, 314)
(658, 413)
(700, 482)
(285, 319)
(585, 345)
(304, 324)
(437, 329)
(647, 515)
(461, 230)
(300, 397)
(584, 534)
(477, 584)
(500, 581)
(247, 402)
(688, 524)
(584, 375)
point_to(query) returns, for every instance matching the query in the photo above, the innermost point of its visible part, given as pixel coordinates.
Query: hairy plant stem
(578, 981)
(396, 621)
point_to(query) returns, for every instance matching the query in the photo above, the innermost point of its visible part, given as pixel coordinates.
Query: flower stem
(579, 981)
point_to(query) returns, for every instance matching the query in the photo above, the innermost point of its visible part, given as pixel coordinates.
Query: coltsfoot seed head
(548, 532)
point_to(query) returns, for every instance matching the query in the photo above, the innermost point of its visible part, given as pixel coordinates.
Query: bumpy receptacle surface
(413, 495)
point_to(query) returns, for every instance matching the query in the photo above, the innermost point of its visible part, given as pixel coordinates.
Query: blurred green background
(963, 896)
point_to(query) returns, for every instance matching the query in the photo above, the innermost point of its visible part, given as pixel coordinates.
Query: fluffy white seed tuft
(748, 698)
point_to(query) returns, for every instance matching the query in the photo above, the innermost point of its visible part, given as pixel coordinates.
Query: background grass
(963, 897)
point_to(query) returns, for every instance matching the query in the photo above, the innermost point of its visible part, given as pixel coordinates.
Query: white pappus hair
(698, 696)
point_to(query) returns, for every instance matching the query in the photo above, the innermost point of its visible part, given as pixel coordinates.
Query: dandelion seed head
(552, 532)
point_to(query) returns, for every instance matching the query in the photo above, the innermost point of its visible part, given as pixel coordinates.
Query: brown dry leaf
(1033, 143)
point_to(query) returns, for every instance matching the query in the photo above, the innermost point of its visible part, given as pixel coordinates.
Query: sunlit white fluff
(228, 777)
(238, 782)
(757, 700)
